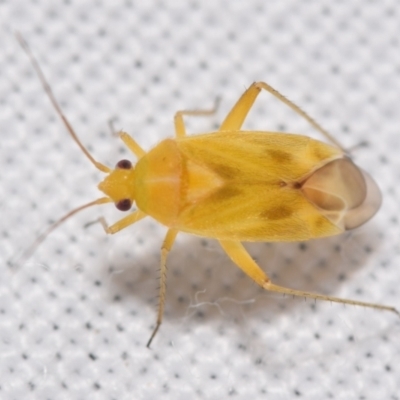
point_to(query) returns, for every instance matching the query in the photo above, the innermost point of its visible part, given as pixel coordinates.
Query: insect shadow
(204, 283)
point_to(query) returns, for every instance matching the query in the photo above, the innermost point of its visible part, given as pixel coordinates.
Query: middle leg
(180, 129)
(165, 249)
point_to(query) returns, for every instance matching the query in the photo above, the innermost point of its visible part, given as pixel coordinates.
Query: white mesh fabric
(75, 318)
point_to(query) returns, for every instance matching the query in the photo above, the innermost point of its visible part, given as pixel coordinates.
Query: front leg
(122, 223)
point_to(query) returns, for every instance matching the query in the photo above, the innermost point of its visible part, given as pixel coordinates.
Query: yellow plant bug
(234, 186)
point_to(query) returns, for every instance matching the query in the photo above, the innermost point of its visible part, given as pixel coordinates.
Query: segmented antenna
(19, 260)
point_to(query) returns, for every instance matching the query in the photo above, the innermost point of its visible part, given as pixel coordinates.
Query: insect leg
(122, 223)
(131, 144)
(165, 249)
(234, 120)
(128, 140)
(239, 255)
(298, 110)
(180, 129)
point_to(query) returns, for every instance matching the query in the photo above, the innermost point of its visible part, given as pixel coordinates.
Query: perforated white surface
(75, 318)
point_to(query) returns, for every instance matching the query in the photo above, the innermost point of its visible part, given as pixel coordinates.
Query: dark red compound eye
(124, 164)
(124, 205)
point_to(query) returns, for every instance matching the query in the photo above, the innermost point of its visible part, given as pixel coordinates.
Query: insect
(234, 186)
